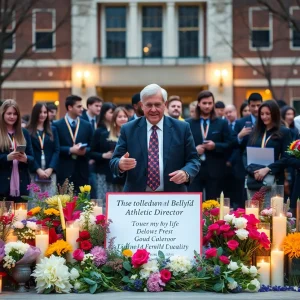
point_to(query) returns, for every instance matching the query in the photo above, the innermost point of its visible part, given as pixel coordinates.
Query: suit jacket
(179, 153)
(6, 169)
(68, 166)
(220, 134)
(51, 151)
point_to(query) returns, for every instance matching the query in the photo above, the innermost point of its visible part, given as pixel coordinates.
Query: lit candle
(226, 210)
(262, 227)
(11, 237)
(42, 241)
(221, 215)
(252, 207)
(277, 205)
(0, 284)
(20, 211)
(279, 231)
(72, 234)
(61, 214)
(264, 271)
(97, 210)
(277, 267)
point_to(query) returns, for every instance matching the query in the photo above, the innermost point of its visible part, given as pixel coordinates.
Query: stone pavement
(155, 296)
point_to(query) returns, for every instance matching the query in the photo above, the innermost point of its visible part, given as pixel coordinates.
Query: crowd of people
(156, 151)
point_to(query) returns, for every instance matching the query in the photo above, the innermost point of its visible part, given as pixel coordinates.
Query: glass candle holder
(11, 237)
(42, 240)
(97, 209)
(277, 200)
(21, 211)
(226, 207)
(263, 264)
(279, 230)
(72, 234)
(265, 227)
(252, 207)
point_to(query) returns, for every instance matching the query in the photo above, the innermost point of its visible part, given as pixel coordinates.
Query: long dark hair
(284, 110)
(104, 109)
(243, 106)
(34, 119)
(202, 95)
(260, 127)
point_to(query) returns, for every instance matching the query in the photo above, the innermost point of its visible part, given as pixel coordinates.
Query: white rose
(77, 285)
(232, 285)
(228, 218)
(253, 271)
(233, 266)
(240, 223)
(18, 225)
(242, 234)
(245, 269)
(31, 225)
(256, 283)
(133, 277)
(74, 274)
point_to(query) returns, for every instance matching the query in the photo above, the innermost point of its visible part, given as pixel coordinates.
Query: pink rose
(213, 227)
(221, 222)
(78, 255)
(215, 211)
(100, 219)
(232, 244)
(254, 234)
(239, 212)
(264, 241)
(225, 228)
(165, 275)
(229, 234)
(212, 252)
(224, 259)
(140, 257)
(207, 237)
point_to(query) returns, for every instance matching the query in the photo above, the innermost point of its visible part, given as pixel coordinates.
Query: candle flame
(262, 260)
(280, 215)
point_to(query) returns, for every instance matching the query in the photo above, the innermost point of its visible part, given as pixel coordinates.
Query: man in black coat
(75, 136)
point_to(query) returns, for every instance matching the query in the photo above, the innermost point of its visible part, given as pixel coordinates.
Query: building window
(295, 34)
(152, 31)
(115, 31)
(7, 38)
(188, 23)
(261, 24)
(44, 24)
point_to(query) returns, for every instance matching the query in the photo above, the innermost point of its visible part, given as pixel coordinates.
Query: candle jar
(21, 211)
(72, 234)
(265, 227)
(97, 209)
(42, 240)
(279, 230)
(226, 207)
(263, 264)
(277, 200)
(252, 207)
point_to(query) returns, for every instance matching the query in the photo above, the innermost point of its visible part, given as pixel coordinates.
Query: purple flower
(217, 270)
(100, 255)
(43, 195)
(154, 283)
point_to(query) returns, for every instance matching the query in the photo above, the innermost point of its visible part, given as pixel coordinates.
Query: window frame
(34, 30)
(292, 47)
(270, 28)
(13, 36)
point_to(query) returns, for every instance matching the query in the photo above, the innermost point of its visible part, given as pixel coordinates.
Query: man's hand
(126, 163)
(42, 174)
(245, 131)
(178, 177)
(261, 173)
(209, 145)
(77, 150)
(200, 149)
(107, 155)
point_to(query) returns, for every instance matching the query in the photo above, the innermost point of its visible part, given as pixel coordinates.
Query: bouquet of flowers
(25, 230)
(294, 149)
(6, 220)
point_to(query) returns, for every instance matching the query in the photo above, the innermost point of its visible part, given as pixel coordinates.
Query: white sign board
(170, 222)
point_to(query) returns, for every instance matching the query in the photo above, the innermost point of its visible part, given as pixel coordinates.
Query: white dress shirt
(160, 132)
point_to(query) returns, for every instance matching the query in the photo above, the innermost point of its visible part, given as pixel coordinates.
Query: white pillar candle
(277, 267)
(279, 231)
(97, 210)
(21, 214)
(266, 231)
(72, 234)
(41, 242)
(226, 210)
(264, 271)
(253, 210)
(277, 205)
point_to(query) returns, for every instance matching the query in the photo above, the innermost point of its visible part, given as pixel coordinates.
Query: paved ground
(156, 296)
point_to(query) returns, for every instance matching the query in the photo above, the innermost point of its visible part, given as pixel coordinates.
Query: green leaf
(220, 251)
(161, 255)
(106, 269)
(126, 279)
(218, 287)
(27, 198)
(93, 288)
(127, 266)
(251, 287)
(201, 273)
(89, 281)
(48, 290)
(230, 279)
(96, 274)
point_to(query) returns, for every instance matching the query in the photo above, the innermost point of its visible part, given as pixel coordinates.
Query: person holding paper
(75, 137)
(269, 133)
(156, 152)
(15, 153)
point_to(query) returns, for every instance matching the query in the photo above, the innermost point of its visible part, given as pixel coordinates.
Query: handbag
(37, 179)
(252, 183)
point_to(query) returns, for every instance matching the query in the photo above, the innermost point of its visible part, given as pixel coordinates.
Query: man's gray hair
(151, 90)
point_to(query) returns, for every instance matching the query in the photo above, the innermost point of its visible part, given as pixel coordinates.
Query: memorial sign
(170, 222)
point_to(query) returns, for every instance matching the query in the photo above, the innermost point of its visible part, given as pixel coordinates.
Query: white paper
(260, 156)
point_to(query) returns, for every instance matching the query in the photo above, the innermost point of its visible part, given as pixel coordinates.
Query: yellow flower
(210, 204)
(52, 201)
(51, 211)
(34, 211)
(291, 245)
(292, 145)
(58, 248)
(85, 188)
(127, 253)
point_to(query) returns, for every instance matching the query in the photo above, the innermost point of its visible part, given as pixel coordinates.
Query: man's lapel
(167, 139)
(142, 137)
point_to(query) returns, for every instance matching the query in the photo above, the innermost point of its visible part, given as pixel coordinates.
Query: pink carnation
(154, 283)
(100, 255)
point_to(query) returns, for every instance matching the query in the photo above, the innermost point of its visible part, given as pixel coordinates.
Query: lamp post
(220, 74)
(83, 75)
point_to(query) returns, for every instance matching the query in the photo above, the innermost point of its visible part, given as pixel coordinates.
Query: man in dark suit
(75, 136)
(213, 140)
(137, 106)
(93, 104)
(156, 152)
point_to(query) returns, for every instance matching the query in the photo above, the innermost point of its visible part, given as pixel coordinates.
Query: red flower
(78, 254)
(84, 235)
(229, 234)
(220, 222)
(140, 257)
(213, 227)
(252, 221)
(212, 252)
(239, 212)
(206, 239)
(215, 211)
(86, 245)
(165, 275)
(225, 228)
(254, 234)
(224, 259)
(232, 244)
(264, 241)
(100, 219)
